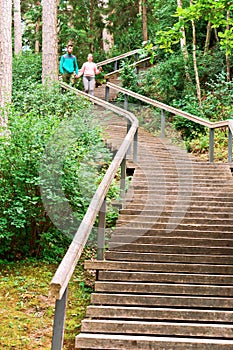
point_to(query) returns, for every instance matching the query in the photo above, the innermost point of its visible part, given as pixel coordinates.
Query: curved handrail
(108, 75)
(168, 108)
(65, 270)
(211, 125)
(117, 58)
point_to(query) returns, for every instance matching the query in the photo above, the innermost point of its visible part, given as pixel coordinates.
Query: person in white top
(89, 70)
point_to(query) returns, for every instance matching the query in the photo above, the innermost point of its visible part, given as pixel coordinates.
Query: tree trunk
(144, 21)
(195, 61)
(195, 64)
(207, 40)
(49, 42)
(183, 45)
(17, 28)
(228, 64)
(5, 55)
(37, 42)
(107, 37)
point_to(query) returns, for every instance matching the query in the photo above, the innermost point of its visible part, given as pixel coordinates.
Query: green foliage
(53, 132)
(217, 104)
(165, 81)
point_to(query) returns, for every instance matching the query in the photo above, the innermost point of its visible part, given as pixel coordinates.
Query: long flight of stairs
(167, 278)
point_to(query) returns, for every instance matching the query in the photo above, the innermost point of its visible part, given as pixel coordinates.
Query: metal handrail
(117, 58)
(108, 75)
(60, 281)
(201, 121)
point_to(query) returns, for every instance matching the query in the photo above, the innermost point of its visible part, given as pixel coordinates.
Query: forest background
(192, 71)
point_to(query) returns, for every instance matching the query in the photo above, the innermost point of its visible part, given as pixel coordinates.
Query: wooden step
(130, 342)
(158, 267)
(158, 328)
(159, 313)
(169, 249)
(181, 241)
(186, 233)
(141, 299)
(164, 288)
(210, 279)
(168, 258)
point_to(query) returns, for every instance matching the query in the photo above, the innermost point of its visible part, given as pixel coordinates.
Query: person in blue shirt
(69, 66)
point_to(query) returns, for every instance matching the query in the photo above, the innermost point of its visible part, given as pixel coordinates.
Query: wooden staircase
(167, 281)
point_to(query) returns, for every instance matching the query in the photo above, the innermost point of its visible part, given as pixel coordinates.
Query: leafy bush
(217, 104)
(53, 132)
(165, 81)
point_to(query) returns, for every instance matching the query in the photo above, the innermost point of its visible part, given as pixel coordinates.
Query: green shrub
(40, 127)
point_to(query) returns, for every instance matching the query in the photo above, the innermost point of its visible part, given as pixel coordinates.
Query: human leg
(66, 77)
(92, 86)
(86, 84)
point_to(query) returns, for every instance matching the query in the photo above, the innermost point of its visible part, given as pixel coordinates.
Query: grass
(26, 311)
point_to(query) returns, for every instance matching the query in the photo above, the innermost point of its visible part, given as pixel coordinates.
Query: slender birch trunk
(17, 28)
(49, 42)
(207, 40)
(5, 56)
(183, 45)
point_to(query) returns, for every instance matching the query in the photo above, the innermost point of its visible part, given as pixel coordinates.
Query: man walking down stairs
(167, 279)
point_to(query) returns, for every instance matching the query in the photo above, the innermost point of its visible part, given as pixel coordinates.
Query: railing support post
(126, 102)
(229, 145)
(211, 146)
(101, 231)
(162, 123)
(135, 146)
(115, 65)
(123, 178)
(59, 321)
(128, 127)
(107, 93)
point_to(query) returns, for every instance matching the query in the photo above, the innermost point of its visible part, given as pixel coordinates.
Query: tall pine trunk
(17, 28)
(183, 45)
(49, 42)
(198, 89)
(5, 56)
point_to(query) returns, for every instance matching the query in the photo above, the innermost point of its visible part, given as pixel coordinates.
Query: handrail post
(101, 231)
(211, 146)
(107, 92)
(123, 178)
(115, 65)
(126, 102)
(229, 145)
(59, 321)
(128, 128)
(135, 148)
(162, 123)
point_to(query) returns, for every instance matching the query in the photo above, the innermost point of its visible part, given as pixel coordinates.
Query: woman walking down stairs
(167, 278)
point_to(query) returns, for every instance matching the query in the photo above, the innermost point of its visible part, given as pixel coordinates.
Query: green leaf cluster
(51, 159)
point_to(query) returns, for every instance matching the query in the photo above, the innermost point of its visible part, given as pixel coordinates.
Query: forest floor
(26, 311)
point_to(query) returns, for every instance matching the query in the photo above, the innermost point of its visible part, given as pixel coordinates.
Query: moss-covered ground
(26, 311)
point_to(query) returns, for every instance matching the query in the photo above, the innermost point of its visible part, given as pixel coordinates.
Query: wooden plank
(164, 288)
(162, 313)
(209, 330)
(129, 342)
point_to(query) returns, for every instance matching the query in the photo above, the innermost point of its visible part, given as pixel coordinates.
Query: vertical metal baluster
(135, 148)
(229, 145)
(126, 102)
(123, 178)
(101, 231)
(107, 92)
(211, 146)
(162, 123)
(59, 321)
